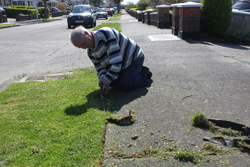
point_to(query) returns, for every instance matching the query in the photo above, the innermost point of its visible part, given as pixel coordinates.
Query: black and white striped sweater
(113, 53)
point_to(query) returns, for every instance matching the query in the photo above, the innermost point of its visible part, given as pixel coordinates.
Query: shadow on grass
(115, 100)
(94, 101)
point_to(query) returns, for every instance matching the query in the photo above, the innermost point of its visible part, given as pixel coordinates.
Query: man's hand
(105, 85)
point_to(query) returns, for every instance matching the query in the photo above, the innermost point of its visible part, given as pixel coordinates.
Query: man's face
(83, 43)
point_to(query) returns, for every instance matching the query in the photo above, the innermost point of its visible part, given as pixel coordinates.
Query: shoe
(147, 72)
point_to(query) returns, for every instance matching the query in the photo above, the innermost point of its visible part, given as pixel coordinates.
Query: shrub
(216, 15)
(42, 11)
(62, 6)
(13, 11)
(142, 4)
(131, 6)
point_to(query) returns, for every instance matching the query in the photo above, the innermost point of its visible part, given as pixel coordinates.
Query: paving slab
(188, 77)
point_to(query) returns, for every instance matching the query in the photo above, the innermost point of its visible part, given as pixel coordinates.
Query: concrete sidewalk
(188, 77)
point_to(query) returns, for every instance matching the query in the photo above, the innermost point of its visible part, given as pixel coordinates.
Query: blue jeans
(132, 77)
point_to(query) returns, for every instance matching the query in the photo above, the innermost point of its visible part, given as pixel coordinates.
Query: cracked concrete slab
(188, 77)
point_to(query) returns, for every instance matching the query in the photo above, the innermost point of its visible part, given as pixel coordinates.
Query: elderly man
(117, 59)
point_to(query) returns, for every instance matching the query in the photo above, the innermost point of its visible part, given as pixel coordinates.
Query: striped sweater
(113, 53)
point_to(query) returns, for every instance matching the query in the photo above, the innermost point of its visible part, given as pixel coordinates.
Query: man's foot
(147, 72)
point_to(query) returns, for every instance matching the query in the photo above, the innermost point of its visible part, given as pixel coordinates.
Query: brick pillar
(139, 15)
(163, 16)
(1, 17)
(148, 15)
(189, 20)
(143, 17)
(175, 19)
(131, 12)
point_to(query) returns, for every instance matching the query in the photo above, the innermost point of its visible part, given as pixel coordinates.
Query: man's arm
(115, 56)
(101, 71)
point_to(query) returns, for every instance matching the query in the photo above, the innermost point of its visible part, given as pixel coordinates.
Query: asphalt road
(38, 49)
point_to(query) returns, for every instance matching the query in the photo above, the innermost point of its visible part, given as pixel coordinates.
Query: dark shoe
(147, 72)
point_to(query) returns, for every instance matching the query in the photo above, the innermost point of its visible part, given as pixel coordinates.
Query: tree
(154, 3)
(62, 6)
(45, 8)
(143, 4)
(130, 3)
(96, 2)
(216, 15)
(118, 3)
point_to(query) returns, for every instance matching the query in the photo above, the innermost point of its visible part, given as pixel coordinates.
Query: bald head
(80, 37)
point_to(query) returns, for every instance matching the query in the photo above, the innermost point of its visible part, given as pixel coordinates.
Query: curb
(9, 26)
(28, 23)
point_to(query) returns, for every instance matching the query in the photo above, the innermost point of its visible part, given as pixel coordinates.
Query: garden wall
(185, 20)
(3, 18)
(240, 23)
(153, 18)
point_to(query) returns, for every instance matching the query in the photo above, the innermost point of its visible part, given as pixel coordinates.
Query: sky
(127, 1)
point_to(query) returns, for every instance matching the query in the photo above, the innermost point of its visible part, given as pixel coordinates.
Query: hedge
(12, 12)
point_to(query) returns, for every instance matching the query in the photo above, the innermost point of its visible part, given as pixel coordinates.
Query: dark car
(95, 8)
(101, 13)
(82, 15)
(243, 6)
(2, 10)
(53, 9)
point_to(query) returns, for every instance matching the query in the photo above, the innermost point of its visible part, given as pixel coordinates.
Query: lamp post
(36, 11)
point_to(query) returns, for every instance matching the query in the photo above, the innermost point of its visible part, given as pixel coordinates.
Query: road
(38, 49)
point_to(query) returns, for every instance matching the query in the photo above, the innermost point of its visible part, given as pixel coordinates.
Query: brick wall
(163, 16)
(153, 18)
(186, 20)
(240, 23)
(189, 19)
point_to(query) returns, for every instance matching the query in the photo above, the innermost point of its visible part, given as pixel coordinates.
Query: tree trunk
(118, 7)
(45, 9)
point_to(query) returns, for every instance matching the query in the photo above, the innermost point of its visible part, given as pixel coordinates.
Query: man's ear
(87, 33)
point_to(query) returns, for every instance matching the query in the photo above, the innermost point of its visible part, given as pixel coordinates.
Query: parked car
(68, 8)
(113, 10)
(53, 9)
(2, 10)
(95, 8)
(82, 15)
(101, 13)
(243, 5)
(109, 11)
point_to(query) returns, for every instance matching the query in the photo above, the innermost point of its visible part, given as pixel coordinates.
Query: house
(5, 2)
(31, 2)
(110, 3)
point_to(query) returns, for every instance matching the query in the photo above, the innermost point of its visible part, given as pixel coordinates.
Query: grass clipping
(124, 121)
(199, 120)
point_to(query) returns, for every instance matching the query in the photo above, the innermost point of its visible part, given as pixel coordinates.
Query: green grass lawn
(6, 25)
(50, 19)
(116, 26)
(117, 14)
(114, 19)
(53, 123)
